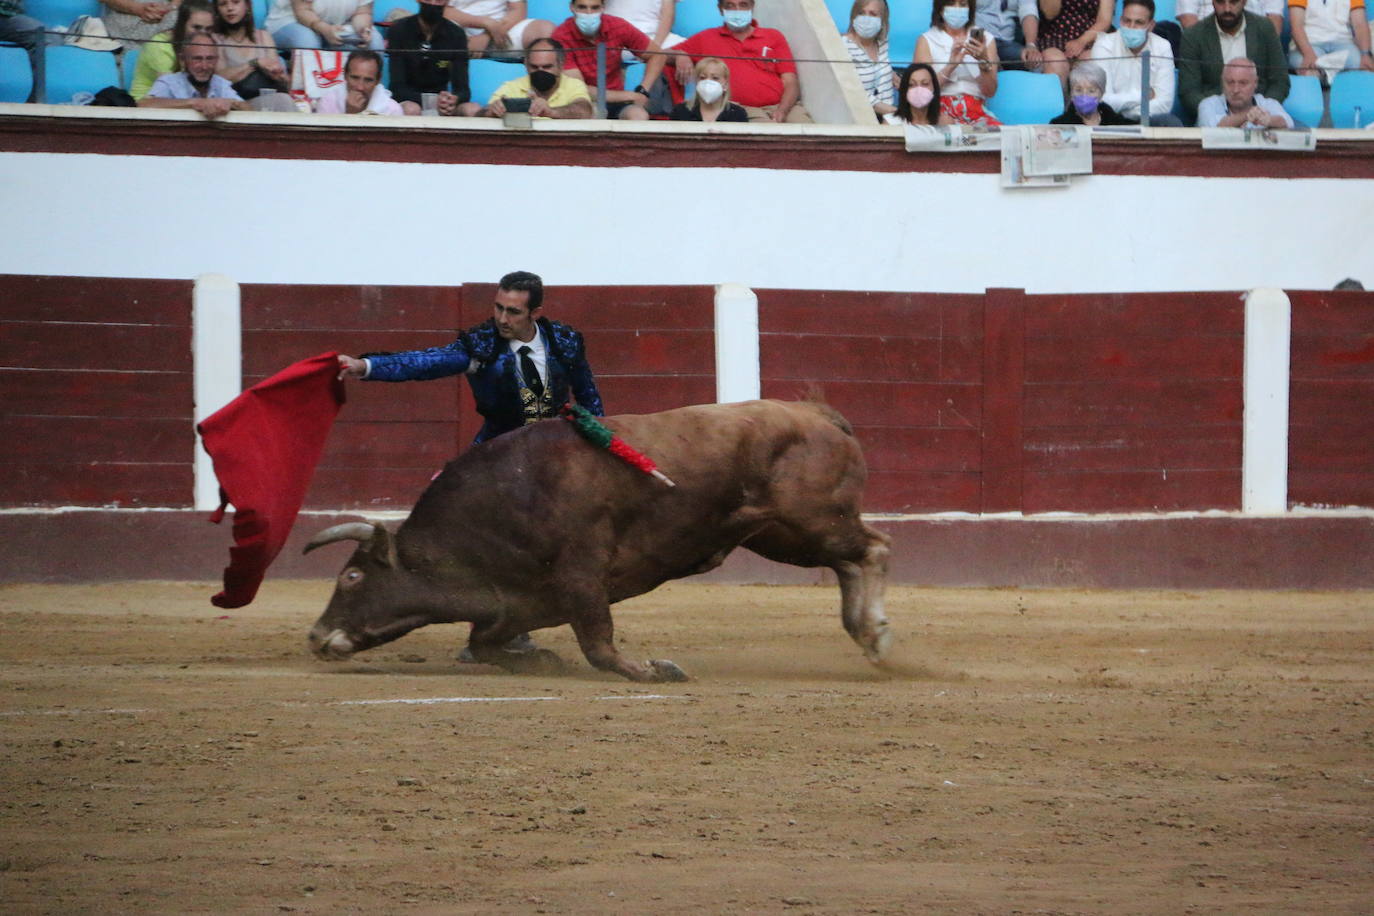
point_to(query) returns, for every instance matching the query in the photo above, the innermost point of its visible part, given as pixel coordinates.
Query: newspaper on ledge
(952, 138)
(1259, 138)
(1045, 155)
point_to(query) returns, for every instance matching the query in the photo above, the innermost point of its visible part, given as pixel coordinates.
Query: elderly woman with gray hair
(1087, 85)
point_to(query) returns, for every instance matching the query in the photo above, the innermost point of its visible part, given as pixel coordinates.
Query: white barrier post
(737, 344)
(217, 360)
(1264, 462)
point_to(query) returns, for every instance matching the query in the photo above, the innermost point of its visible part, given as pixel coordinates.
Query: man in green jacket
(1230, 32)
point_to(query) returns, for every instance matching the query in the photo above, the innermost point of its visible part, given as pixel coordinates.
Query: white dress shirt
(1123, 74)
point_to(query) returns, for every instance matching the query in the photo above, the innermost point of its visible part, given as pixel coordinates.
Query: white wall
(284, 221)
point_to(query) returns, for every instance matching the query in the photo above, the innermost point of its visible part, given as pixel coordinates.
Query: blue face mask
(956, 17)
(588, 23)
(1133, 38)
(738, 19)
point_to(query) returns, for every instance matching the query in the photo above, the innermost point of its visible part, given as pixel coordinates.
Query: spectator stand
(1026, 98)
(1352, 99)
(61, 12)
(1305, 103)
(16, 77)
(72, 71)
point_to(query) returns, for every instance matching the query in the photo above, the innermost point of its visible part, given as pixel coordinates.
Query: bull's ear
(382, 547)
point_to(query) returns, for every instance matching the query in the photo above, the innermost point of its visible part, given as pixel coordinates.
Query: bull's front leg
(591, 623)
(488, 646)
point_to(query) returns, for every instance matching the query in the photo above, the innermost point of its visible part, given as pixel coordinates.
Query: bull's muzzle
(331, 645)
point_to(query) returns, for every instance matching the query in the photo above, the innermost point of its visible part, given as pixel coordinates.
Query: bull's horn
(361, 532)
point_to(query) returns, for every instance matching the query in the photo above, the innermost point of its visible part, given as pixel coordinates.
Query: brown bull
(539, 528)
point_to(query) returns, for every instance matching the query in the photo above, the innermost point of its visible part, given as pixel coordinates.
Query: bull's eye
(351, 576)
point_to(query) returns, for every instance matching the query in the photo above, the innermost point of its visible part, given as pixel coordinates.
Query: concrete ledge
(1300, 551)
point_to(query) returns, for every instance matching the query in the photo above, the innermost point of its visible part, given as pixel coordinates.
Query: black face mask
(543, 80)
(431, 13)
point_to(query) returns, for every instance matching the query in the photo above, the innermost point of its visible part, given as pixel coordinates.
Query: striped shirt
(875, 75)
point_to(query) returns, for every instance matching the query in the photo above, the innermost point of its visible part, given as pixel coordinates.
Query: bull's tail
(815, 399)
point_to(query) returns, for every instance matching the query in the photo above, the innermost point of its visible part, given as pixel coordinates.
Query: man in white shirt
(652, 17)
(1239, 105)
(362, 91)
(498, 25)
(1188, 12)
(1331, 33)
(1119, 54)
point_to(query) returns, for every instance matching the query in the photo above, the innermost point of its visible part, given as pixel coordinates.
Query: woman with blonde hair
(866, 42)
(712, 99)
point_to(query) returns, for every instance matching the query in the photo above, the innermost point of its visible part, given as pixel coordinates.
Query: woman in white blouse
(314, 24)
(868, 48)
(965, 59)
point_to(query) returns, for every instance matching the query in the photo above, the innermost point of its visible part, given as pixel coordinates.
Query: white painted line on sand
(425, 701)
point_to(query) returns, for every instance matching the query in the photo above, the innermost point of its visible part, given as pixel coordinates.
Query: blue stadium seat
(1027, 98)
(839, 11)
(381, 10)
(16, 77)
(696, 16)
(61, 12)
(1164, 9)
(554, 11)
(634, 73)
(71, 70)
(909, 21)
(1304, 103)
(484, 76)
(127, 65)
(260, 10)
(1352, 99)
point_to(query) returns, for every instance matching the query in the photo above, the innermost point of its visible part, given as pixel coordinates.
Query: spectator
(437, 62)
(1349, 284)
(27, 33)
(1336, 32)
(918, 97)
(552, 92)
(965, 60)
(248, 57)
(866, 41)
(1230, 32)
(315, 24)
(1068, 29)
(652, 17)
(1087, 87)
(362, 91)
(196, 84)
(712, 99)
(762, 70)
(583, 30)
(1119, 53)
(134, 22)
(1239, 105)
(160, 55)
(1188, 12)
(1002, 19)
(497, 25)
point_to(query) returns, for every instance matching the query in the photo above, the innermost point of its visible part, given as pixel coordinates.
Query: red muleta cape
(265, 444)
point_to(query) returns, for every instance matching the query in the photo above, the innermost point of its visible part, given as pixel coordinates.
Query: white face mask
(710, 91)
(867, 26)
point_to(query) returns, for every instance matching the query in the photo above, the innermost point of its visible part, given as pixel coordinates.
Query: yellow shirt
(569, 90)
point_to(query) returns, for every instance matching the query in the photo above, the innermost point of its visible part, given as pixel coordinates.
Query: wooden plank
(1337, 401)
(1348, 449)
(896, 448)
(64, 393)
(1065, 359)
(1211, 314)
(872, 358)
(1004, 378)
(1121, 448)
(1133, 402)
(371, 489)
(434, 401)
(1327, 489)
(922, 491)
(672, 353)
(270, 306)
(1333, 357)
(652, 393)
(55, 483)
(592, 309)
(390, 445)
(843, 313)
(890, 403)
(83, 440)
(96, 299)
(52, 345)
(1131, 491)
(266, 352)
(1330, 313)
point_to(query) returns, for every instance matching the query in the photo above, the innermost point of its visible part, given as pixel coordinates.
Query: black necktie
(532, 380)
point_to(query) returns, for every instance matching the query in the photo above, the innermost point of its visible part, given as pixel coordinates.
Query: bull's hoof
(665, 672)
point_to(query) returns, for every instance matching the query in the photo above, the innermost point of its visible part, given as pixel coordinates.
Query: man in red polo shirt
(588, 26)
(763, 77)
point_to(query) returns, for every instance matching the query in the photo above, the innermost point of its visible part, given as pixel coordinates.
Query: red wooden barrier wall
(1331, 436)
(96, 382)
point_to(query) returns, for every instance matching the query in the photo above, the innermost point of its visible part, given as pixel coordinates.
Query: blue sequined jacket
(495, 383)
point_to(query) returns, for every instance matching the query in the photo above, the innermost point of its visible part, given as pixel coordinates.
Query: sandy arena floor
(1031, 752)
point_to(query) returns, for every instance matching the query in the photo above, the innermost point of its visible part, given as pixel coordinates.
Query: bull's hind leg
(858, 555)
